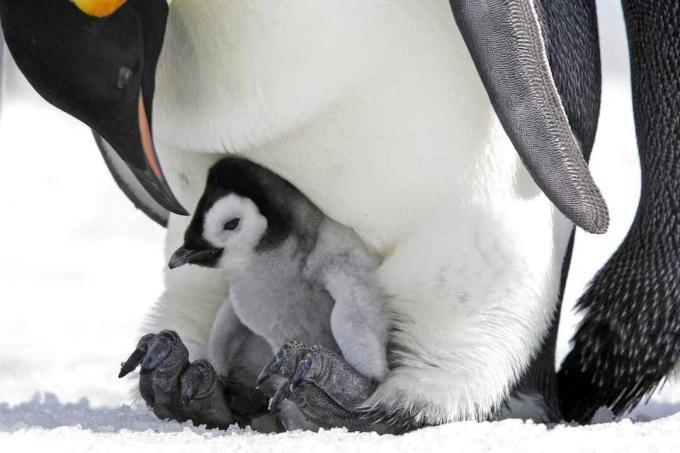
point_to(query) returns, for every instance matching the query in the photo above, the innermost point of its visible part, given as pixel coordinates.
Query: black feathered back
(629, 339)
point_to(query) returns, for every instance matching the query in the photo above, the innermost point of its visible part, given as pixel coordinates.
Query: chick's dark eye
(232, 224)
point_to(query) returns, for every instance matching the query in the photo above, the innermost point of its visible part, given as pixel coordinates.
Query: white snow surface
(48, 425)
(80, 267)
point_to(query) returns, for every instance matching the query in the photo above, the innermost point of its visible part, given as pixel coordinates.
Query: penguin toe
(203, 396)
(323, 386)
(162, 358)
(284, 364)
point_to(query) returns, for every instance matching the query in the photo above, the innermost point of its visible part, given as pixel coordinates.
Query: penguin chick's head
(241, 212)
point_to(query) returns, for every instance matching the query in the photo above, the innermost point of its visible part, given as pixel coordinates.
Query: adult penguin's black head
(96, 60)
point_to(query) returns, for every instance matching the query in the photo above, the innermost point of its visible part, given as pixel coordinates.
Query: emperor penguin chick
(295, 274)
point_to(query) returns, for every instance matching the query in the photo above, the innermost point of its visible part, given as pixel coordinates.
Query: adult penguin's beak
(96, 60)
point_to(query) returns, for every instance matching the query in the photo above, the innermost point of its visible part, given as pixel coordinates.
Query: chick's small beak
(185, 255)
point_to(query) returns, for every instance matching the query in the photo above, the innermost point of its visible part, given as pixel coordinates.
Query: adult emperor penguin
(402, 123)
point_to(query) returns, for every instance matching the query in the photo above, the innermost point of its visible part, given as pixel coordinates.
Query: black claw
(271, 369)
(301, 373)
(279, 397)
(132, 362)
(199, 374)
(158, 352)
(137, 356)
(287, 389)
(191, 382)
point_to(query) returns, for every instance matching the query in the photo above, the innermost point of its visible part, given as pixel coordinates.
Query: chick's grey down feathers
(308, 279)
(301, 290)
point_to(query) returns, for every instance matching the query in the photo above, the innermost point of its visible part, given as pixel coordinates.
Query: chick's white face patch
(236, 225)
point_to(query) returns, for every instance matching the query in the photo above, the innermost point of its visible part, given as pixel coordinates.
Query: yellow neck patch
(99, 8)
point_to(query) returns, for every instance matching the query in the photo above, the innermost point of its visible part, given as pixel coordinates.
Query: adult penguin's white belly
(375, 111)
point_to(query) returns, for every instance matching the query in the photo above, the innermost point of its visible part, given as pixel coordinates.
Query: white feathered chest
(374, 110)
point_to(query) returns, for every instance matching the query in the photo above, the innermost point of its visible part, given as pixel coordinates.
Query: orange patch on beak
(98, 8)
(147, 140)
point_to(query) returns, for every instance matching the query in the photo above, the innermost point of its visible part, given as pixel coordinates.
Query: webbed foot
(323, 386)
(174, 388)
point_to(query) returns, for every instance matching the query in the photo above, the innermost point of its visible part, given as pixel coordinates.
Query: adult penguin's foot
(324, 387)
(174, 388)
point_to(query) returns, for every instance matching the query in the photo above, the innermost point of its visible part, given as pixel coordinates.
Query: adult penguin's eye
(124, 76)
(232, 224)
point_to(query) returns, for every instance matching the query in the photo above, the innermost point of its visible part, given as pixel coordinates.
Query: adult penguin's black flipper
(505, 40)
(629, 339)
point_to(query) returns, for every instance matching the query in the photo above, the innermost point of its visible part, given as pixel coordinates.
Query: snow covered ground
(80, 267)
